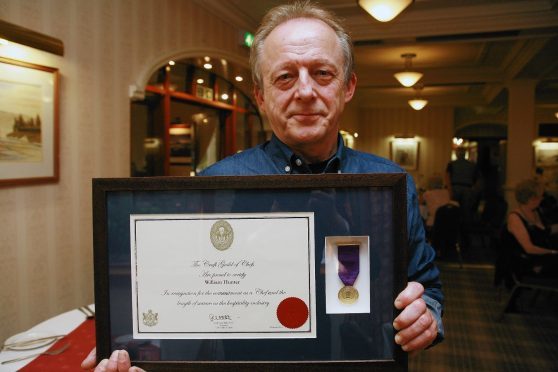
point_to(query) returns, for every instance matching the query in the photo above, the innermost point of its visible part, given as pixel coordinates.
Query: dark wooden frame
(33, 39)
(395, 182)
(54, 177)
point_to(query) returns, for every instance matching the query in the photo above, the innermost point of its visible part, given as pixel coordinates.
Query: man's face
(304, 90)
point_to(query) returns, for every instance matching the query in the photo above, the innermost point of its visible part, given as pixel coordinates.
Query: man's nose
(305, 86)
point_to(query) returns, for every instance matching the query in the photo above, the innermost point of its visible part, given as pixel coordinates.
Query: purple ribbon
(349, 267)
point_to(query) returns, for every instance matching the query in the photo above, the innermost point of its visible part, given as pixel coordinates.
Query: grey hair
(528, 189)
(299, 9)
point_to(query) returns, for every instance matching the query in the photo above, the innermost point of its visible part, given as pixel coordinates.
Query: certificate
(199, 276)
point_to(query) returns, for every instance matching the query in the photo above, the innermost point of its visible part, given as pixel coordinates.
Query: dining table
(75, 331)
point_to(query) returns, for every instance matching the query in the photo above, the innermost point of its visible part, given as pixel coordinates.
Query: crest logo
(150, 318)
(221, 235)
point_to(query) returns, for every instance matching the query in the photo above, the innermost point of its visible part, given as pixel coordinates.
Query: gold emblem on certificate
(348, 295)
(150, 318)
(222, 235)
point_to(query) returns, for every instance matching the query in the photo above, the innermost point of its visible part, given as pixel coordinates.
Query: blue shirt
(274, 157)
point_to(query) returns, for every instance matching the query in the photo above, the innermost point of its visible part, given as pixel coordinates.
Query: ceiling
(467, 49)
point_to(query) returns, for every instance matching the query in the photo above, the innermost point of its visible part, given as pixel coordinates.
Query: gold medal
(348, 295)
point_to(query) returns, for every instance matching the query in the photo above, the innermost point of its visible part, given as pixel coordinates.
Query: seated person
(434, 198)
(548, 208)
(531, 234)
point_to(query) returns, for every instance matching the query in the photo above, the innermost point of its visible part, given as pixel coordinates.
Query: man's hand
(416, 326)
(119, 362)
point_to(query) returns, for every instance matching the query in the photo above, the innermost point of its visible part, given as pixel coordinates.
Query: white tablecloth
(59, 325)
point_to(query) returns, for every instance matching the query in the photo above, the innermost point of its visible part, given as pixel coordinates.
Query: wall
(433, 127)
(46, 232)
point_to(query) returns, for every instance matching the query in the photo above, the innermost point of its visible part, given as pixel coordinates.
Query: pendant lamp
(418, 103)
(384, 10)
(408, 78)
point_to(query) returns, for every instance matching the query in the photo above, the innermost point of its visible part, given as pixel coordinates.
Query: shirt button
(298, 162)
(287, 169)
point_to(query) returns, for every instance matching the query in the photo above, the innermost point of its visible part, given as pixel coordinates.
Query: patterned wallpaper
(46, 230)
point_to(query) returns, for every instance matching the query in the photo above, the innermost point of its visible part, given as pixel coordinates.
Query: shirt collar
(289, 163)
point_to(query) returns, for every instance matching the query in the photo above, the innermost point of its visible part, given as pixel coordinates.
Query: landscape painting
(28, 123)
(20, 122)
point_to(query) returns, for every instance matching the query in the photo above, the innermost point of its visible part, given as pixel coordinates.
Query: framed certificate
(250, 273)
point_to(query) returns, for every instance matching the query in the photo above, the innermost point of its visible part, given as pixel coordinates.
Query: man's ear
(258, 94)
(350, 87)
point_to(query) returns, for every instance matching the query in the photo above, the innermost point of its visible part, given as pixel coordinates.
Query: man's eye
(324, 76)
(284, 80)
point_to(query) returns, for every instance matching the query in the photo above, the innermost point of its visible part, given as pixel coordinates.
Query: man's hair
(527, 189)
(299, 9)
(460, 152)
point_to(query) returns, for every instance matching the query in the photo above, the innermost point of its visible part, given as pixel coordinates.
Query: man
(461, 177)
(302, 67)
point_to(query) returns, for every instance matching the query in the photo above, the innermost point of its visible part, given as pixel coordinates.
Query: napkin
(81, 339)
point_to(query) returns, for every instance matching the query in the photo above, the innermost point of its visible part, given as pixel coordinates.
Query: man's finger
(89, 361)
(124, 363)
(415, 329)
(423, 340)
(410, 314)
(102, 366)
(413, 291)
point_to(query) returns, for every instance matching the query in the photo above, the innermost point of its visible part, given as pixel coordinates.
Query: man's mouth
(305, 115)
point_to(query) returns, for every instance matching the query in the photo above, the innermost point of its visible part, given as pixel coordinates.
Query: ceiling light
(208, 66)
(4, 41)
(408, 78)
(355, 135)
(384, 10)
(224, 96)
(556, 114)
(206, 59)
(238, 78)
(418, 103)
(171, 63)
(199, 81)
(457, 141)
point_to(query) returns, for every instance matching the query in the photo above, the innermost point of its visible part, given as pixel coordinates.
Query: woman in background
(530, 233)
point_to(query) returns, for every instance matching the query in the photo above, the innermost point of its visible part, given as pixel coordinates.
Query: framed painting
(251, 273)
(29, 132)
(546, 154)
(405, 152)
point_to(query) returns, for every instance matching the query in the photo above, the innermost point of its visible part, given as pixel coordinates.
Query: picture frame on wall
(29, 127)
(405, 152)
(546, 154)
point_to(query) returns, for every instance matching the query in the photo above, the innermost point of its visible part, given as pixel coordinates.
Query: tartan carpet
(477, 341)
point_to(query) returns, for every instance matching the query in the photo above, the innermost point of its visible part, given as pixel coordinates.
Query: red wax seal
(292, 312)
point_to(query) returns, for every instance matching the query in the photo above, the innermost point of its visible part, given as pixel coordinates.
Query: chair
(446, 230)
(512, 269)
(492, 219)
